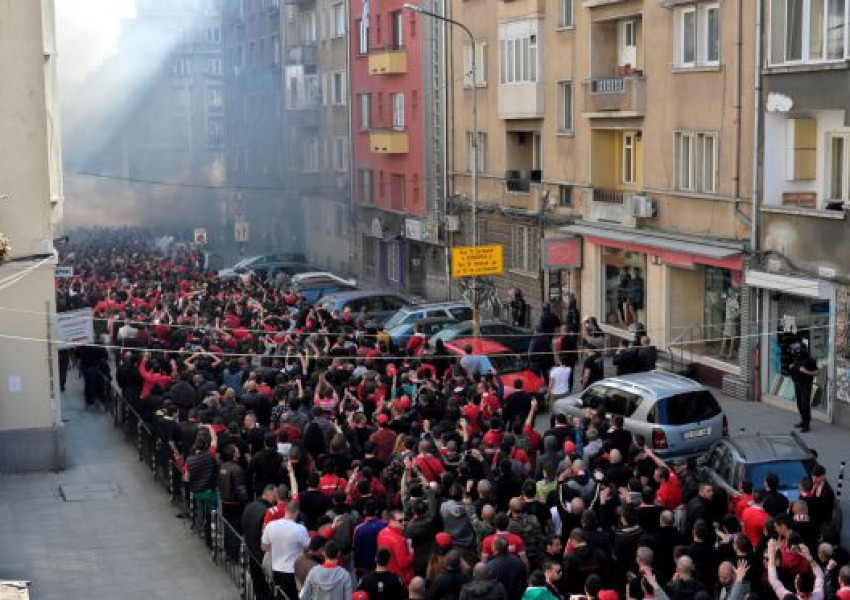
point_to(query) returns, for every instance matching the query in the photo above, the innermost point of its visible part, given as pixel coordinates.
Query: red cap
(608, 595)
(569, 446)
(383, 419)
(403, 403)
(360, 595)
(443, 539)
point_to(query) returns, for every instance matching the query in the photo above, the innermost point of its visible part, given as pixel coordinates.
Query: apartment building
(31, 199)
(317, 126)
(257, 151)
(801, 277)
(615, 141)
(398, 108)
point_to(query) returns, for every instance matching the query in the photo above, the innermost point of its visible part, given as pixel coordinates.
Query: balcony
(306, 54)
(609, 205)
(388, 141)
(521, 100)
(607, 97)
(387, 61)
(520, 181)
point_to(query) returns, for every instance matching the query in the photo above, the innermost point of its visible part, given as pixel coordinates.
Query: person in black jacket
(447, 585)
(252, 528)
(582, 562)
(508, 569)
(232, 487)
(775, 502)
(266, 466)
(483, 586)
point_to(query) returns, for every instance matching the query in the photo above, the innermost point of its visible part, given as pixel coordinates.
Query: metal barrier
(226, 545)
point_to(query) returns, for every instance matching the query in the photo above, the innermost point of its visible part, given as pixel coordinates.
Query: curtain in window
(835, 24)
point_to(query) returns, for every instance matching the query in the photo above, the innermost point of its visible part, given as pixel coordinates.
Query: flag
(366, 14)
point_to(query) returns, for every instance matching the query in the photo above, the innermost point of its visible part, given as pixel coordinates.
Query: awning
(795, 286)
(672, 251)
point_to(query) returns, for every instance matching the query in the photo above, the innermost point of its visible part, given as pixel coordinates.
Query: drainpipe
(753, 370)
(739, 107)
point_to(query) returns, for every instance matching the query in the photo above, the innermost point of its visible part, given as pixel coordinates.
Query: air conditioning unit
(644, 207)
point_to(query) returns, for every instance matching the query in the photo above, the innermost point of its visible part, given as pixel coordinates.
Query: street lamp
(474, 146)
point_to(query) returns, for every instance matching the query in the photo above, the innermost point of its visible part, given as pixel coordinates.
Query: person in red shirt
(426, 463)
(493, 438)
(416, 342)
(401, 548)
(384, 439)
(669, 487)
(153, 376)
(740, 501)
(515, 543)
(754, 517)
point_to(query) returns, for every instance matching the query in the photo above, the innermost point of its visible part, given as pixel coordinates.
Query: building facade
(398, 112)
(317, 127)
(31, 197)
(632, 160)
(801, 274)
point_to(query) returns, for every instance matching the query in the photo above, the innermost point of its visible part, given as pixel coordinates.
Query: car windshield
(397, 319)
(790, 472)
(506, 363)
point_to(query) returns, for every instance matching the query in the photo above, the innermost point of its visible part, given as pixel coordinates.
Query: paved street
(118, 538)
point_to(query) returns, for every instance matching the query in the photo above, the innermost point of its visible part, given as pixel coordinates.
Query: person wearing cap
(382, 584)
(448, 584)
(384, 439)
(392, 537)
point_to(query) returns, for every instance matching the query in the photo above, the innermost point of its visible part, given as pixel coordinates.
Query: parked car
(309, 277)
(753, 456)
(401, 333)
(314, 290)
(459, 311)
(508, 365)
(515, 338)
(679, 417)
(380, 304)
(262, 264)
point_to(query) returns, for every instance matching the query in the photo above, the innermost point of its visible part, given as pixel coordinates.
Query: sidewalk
(102, 528)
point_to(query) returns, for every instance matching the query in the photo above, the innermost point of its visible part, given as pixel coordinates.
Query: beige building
(619, 131)
(31, 196)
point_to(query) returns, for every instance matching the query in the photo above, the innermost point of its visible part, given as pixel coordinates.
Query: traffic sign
(63, 272)
(200, 236)
(477, 261)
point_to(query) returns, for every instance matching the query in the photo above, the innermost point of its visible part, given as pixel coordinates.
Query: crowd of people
(358, 470)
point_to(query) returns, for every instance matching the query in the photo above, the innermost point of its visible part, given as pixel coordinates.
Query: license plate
(697, 433)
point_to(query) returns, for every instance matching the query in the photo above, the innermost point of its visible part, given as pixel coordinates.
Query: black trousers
(286, 582)
(803, 392)
(258, 580)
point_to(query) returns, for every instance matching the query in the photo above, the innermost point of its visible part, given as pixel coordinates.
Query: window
(807, 30)
(397, 24)
(624, 274)
(690, 407)
(629, 159)
(697, 36)
(398, 110)
(838, 165)
(482, 151)
(362, 37)
(338, 20)
(340, 154)
(339, 220)
(684, 161)
(526, 249)
(365, 111)
(802, 149)
(518, 51)
(565, 106)
(215, 132)
(565, 13)
(214, 35)
(338, 95)
(214, 97)
(275, 50)
(214, 66)
(308, 26)
(367, 189)
(398, 187)
(480, 64)
(370, 257)
(696, 162)
(707, 151)
(394, 262)
(565, 195)
(628, 43)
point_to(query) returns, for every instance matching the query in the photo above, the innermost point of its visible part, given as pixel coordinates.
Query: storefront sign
(75, 328)
(64, 272)
(377, 231)
(477, 261)
(413, 229)
(561, 253)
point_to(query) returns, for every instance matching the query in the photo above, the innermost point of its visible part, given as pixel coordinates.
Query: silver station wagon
(679, 417)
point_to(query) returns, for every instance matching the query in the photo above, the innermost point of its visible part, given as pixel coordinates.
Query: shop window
(394, 262)
(370, 257)
(624, 287)
(721, 315)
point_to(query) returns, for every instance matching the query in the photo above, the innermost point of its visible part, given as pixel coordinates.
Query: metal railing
(225, 544)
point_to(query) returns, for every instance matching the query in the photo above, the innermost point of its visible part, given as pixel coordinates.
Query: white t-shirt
(288, 540)
(559, 379)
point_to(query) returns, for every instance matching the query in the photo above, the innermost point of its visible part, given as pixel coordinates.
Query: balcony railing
(303, 54)
(615, 96)
(609, 196)
(387, 60)
(520, 181)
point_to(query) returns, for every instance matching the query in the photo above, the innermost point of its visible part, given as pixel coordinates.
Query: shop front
(798, 315)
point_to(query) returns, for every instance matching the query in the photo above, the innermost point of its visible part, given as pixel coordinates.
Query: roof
(659, 383)
(769, 448)
(479, 346)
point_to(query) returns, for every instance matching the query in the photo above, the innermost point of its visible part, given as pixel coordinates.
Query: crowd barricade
(226, 546)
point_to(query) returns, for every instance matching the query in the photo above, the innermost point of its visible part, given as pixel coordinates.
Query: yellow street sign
(477, 261)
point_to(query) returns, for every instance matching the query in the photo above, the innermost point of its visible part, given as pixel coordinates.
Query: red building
(398, 172)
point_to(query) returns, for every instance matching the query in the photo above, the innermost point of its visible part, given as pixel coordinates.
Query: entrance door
(416, 280)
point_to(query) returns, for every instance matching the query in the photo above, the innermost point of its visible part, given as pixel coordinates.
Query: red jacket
(430, 466)
(151, 379)
(401, 561)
